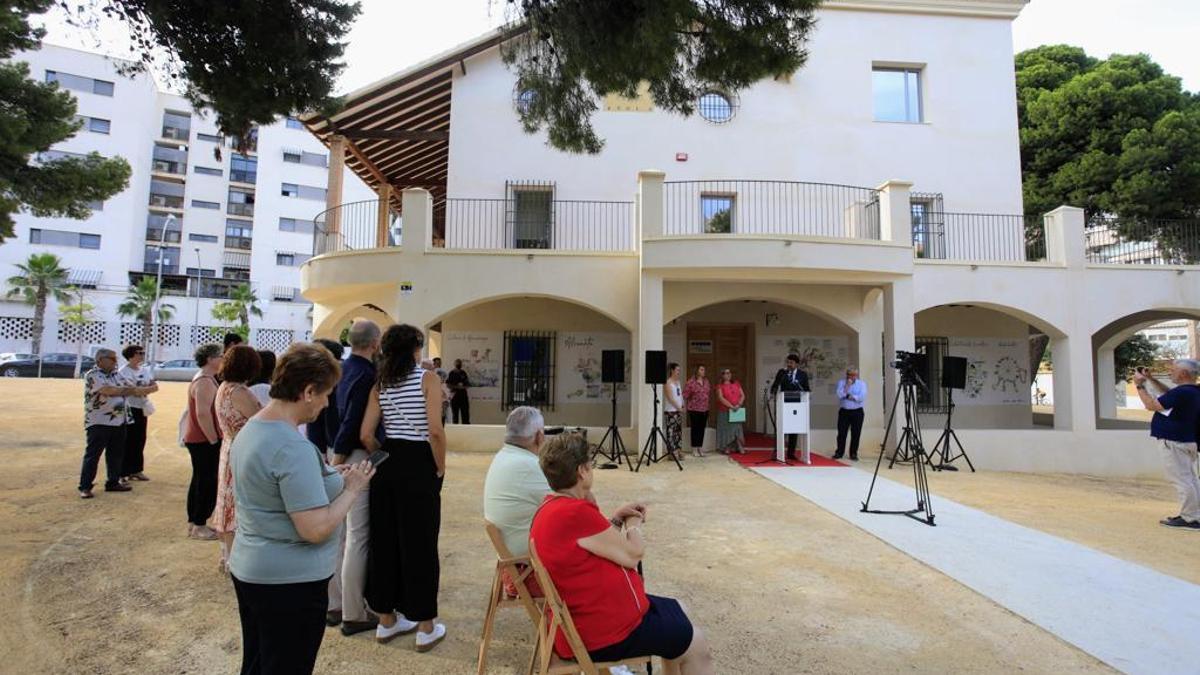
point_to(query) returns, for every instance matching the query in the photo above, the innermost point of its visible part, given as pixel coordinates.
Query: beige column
(895, 212)
(1065, 239)
(383, 215)
(333, 192)
(1074, 383)
(648, 336)
(899, 333)
(416, 207)
(1106, 378)
(650, 205)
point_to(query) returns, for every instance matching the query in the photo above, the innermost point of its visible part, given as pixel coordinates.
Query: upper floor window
(531, 214)
(293, 123)
(206, 238)
(243, 169)
(176, 126)
(241, 202)
(897, 94)
(200, 204)
(64, 238)
(211, 138)
(716, 210)
(716, 107)
(80, 83)
(302, 191)
(295, 225)
(95, 125)
(207, 170)
(302, 157)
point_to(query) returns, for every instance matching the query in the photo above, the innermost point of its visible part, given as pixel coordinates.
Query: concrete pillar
(383, 213)
(895, 212)
(648, 336)
(1065, 242)
(333, 191)
(870, 357)
(416, 205)
(651, 207)
(899, 332)
(1106, 375)
(1074, 385)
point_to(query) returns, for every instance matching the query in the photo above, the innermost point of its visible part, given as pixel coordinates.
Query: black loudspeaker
(612, 365)
(954, 372)
(656, 367)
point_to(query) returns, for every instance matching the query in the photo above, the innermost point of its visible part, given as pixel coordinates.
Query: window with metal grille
(529, 369)
(928, 225)
(716, 107)
(932, 398)
(530, 214)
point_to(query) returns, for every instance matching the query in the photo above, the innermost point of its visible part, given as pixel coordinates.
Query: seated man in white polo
(515, 485)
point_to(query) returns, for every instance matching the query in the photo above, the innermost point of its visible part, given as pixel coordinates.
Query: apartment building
(198, 211)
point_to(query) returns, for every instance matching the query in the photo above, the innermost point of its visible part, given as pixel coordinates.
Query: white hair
(1190, 365)
(362, 333)
(522, 425)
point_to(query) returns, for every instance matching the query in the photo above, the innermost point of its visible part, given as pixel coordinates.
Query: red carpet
(761, 446)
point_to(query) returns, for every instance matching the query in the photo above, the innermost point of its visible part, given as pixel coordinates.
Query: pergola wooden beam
(395, 134)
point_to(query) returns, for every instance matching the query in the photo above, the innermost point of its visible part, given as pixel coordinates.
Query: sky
(390, 35)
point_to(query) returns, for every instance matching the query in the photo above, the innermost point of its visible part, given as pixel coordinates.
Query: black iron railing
(770, 207)
(1142, 242)
(531, 223)
(357, 227)
(986, 237)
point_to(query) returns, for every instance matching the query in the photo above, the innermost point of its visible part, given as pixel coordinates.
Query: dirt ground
(112, 585)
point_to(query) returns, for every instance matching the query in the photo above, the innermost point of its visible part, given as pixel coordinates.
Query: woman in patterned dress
(235, 405)
(673, 406)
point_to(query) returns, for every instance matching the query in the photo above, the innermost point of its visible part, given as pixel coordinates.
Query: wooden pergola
(395, 134)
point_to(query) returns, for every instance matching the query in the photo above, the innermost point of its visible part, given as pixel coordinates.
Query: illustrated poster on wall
(997, 370)
(481, 353)
(824, 358)
(579, 371)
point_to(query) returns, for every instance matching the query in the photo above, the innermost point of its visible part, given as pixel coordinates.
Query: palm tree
(241, 304)
(42, 275)
(139, 305)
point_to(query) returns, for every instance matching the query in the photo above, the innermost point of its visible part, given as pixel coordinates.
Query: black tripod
(942, 449)
(910, 444)
(650, 449)
(616, 447)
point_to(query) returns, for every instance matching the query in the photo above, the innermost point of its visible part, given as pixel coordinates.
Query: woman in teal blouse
(291, 506)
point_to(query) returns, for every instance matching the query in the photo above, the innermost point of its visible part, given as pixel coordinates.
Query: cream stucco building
(871, 202)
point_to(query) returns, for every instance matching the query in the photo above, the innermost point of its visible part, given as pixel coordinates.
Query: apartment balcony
(243, 210)
(175, 133)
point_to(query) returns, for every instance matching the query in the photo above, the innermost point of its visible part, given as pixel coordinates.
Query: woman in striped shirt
(405, 498)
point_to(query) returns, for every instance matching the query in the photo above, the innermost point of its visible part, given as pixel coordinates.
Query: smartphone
(378, 457)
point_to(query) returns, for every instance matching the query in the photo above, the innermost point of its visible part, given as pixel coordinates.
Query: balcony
(1132, 241)
(175, 133)
(532, 219)
(166, 201)
(978, 237)
(355, 226)
(244, 210)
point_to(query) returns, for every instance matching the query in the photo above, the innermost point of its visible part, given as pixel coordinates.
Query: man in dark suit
(790, 378)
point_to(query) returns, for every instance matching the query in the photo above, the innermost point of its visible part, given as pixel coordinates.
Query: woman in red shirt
(593, 563)
(729, 397)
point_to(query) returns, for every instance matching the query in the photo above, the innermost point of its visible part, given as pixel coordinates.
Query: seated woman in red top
(593, 563)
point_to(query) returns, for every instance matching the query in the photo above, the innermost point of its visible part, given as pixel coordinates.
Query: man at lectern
(790, 378)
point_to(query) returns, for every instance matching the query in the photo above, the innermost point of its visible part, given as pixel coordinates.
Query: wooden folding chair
(506, 562)
(558, 617)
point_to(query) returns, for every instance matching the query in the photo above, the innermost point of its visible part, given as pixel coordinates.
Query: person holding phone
(852, 394)
(403, 569)
(1174, 426)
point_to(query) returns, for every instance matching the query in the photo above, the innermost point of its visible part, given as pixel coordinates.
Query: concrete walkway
(1131, 617)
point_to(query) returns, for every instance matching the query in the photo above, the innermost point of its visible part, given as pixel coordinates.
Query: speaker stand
(650, 449)
(615, 453)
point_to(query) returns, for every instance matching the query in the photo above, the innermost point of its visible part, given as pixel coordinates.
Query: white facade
(136, 117)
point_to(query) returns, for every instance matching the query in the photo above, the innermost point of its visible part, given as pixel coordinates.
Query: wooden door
(720, 346)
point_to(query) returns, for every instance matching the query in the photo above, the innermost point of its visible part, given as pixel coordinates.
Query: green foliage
(721, 222)
(1115, 136)
(1136, 351)
(139, 303)
(575, 52)
(78, 314)
(41, 276)
(251, 62)
(236, 311)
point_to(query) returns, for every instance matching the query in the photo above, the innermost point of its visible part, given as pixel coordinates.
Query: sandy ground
(112, 585)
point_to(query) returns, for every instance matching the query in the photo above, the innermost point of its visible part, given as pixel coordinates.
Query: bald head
(364, 337)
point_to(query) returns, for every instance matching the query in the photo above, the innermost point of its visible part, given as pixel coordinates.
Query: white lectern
(791, 417)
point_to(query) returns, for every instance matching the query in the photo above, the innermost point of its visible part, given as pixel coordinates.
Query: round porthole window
(716, 107)
(524, 100)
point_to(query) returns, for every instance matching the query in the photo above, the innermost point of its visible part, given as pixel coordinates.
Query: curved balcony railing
(698, 207)
(538, 221)
(354, 226)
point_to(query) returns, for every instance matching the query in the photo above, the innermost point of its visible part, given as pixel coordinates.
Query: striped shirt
(403, 408)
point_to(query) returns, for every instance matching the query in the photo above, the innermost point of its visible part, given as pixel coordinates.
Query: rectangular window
(201, 204)
(531, 215)
(207, 171)
(283, 294)
(166, 194)
(200, 272)
(89, 241)
(287, 224)
(95, 125)
(64, 238)
(211, 138)
(170, 259)
(289, 190)
(285, 259)
(529, 369)
(80, 83)
(928, 225)
(932, 397)
(170, 159)
(55, 155)
(716, 211)
(176, 125)
(238, 234)
(241, 202)
(96, 205)
(293, 123)
(206, 238)
(302, 191)
(303, 157)
(243, 169)
(897, 94)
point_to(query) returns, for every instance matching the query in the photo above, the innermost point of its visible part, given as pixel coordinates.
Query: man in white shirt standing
(851, 393)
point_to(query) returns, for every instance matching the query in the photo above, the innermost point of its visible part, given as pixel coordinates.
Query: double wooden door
(719, 346)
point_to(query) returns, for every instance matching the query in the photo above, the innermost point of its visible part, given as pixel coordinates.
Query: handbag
(737, 415)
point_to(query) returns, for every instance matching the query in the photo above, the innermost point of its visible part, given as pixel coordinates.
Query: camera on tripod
(910, 366)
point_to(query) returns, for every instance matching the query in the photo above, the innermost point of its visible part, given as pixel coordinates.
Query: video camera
(910, 365)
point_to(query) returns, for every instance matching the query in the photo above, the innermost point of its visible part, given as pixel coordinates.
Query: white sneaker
(427, 641)
(402, 626)
(620, 670)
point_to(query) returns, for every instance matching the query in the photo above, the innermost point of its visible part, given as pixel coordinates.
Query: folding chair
(498, 599)
(558, 617)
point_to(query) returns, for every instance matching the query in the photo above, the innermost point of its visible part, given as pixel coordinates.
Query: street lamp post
(152, 339)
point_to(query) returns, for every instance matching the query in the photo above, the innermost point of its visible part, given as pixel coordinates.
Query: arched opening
(1009, 382)
(1150, 338)
(335, 325)
(535, 351)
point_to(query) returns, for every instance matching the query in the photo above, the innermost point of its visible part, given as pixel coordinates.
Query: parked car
(178, 370)
(14, 356)
(53, 365)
